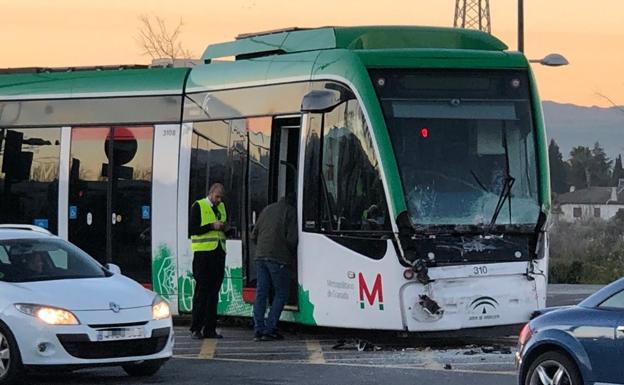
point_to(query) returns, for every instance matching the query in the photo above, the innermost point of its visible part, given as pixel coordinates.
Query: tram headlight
(160, 308)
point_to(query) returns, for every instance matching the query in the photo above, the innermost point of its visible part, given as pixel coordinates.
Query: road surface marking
(315, 352)
(208, 348)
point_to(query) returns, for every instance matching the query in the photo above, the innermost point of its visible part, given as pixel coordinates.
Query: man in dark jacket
(275, 236)
(207, 227)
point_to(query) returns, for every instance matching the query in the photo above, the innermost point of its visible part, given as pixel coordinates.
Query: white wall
(587, 211)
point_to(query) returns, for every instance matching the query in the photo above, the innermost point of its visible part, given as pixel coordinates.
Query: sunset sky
(89, 32)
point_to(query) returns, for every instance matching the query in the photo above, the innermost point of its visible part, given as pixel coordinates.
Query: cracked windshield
(464, 145)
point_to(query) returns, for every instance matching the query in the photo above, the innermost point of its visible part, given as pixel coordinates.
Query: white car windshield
(27, 260)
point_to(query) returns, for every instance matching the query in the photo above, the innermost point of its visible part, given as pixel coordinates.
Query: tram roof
(75, 82)
(301, 54)
(294, 40)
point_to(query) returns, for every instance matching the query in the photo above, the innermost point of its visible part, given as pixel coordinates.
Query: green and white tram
(418, 157)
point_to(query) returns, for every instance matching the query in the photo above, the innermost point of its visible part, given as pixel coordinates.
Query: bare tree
(621, 108)
(159, 42)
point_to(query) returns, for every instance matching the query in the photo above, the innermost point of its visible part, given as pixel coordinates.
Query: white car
(61, 309)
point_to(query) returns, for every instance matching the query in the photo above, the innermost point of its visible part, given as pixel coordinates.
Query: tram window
(250, 101)
(311, 186)
(259, 130)
(92, 111)
(218, 155)
(29, 169)
(345, 193)
(236, 165)
(350, 170)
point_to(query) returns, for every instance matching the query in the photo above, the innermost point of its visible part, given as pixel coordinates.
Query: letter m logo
(376, 294)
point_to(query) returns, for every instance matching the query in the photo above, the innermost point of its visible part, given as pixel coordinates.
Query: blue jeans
(270, 274)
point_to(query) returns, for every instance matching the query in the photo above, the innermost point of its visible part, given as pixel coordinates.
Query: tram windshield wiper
(502, 197)
(505, 193)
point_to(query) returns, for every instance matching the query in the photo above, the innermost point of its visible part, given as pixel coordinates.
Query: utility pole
(473, 14)
(521, 25)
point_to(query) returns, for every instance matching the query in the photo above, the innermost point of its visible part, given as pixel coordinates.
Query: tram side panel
(342, 288)
(164, 226)
(185, 282)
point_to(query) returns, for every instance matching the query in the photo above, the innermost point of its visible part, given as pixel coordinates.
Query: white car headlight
(48, 314)
(160, 308)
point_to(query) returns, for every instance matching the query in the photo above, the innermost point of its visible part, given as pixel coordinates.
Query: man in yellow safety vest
(207, 226)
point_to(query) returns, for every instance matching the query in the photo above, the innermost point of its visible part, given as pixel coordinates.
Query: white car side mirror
(113, 268)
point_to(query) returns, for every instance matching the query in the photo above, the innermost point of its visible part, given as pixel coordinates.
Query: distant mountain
(571, 125)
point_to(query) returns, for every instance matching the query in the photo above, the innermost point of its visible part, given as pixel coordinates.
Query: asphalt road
(320, 358)
(563, 295)
(306, 357)
(187, 372)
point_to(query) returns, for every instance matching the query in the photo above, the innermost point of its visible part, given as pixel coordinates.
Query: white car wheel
(5, 355)
(10, 363)
(144, 368)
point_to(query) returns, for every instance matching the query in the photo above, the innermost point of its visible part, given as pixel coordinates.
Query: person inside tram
(372, 218)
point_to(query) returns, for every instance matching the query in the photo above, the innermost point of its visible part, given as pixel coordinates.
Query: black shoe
(275, 336)
(196, 335)
(212, 335)
(266, 337)
(257, 337)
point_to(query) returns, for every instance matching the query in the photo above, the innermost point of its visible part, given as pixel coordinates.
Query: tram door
(110, 187)
(272, 175)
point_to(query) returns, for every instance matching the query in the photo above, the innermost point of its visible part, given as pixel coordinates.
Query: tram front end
(471, 233)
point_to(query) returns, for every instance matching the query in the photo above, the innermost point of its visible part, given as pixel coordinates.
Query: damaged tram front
(466, 148)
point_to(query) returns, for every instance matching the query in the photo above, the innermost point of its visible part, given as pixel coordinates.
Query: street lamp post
(551, 60)
(521, 25)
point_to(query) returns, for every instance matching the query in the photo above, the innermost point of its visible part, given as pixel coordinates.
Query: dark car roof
(601, 295)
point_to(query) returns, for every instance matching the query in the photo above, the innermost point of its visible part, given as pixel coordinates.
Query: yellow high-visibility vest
(212, 239)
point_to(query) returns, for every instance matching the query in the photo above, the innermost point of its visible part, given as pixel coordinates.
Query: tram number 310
(480, 270)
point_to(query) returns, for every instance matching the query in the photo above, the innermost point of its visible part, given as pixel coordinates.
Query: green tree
(618, 219)
(589, 167)
(580, 167)
(600, 167)
(558, 169)
(618, 171)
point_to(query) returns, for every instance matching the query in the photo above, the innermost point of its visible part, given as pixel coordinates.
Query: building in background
(593, 202)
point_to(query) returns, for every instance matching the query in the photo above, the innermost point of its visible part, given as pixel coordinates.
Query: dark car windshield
(26, 260)
(464, 143)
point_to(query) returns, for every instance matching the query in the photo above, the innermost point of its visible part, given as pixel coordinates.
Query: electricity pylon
(474, 14)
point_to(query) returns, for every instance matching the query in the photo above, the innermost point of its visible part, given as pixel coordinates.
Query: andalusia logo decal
(370, 296)
(484, 305)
